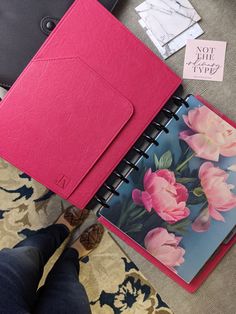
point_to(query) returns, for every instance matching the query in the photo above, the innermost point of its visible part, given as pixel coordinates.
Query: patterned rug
(113, 282)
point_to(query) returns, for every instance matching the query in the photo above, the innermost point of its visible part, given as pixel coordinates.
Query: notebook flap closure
(60, 125)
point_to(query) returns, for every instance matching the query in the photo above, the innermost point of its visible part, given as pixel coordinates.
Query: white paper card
(204, 60)
(175, 44)
(3, 92)
(166, 19)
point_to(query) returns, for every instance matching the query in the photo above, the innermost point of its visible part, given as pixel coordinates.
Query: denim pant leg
(21, 268)
(62, 292)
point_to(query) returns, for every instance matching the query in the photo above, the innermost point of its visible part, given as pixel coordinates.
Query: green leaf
(183, 164)
(156, 162)
(180, 226)
(194, 200)
(140, 215)
(136, 212)
(182, 222)
(185, 180)
(133, 228)
(184, 169)
(165, 160)
(183, 146)
(126, 207)
(198, 191)
(181, 231)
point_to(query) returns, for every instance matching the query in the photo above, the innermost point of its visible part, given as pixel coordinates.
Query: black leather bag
(24, 26)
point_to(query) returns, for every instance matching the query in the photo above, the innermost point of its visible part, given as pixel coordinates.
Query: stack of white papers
(169, 23)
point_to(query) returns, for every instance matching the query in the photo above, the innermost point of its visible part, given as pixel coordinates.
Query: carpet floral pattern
(113, 283)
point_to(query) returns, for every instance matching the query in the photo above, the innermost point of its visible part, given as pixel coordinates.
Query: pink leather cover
(56, 135)
(211, 264)
(66, 121)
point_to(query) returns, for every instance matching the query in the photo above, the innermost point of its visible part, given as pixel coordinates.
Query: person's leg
(21, 268)
(62, 292)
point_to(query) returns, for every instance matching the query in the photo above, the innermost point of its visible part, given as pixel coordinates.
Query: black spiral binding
(129, 162)
(160, 127)
(141, 152)
(120, 176)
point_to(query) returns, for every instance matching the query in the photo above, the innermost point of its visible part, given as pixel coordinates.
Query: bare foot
(73, 217)
(89, 240)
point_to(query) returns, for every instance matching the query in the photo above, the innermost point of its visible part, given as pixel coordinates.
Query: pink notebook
(82, 102)
(177, 207)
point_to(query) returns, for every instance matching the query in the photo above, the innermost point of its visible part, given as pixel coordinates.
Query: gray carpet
(217, 295)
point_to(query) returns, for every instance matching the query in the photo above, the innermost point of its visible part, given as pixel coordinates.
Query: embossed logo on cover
(62, 181)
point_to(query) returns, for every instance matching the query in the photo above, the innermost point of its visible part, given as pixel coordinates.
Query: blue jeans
(21, 269)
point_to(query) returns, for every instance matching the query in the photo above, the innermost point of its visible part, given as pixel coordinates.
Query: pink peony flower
(210, 136)
(218, 194)
(164, 246)
(164, 195)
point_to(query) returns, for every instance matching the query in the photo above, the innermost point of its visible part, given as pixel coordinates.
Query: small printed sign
(204, 60)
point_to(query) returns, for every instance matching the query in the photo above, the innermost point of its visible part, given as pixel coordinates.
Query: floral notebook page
(181, 203)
